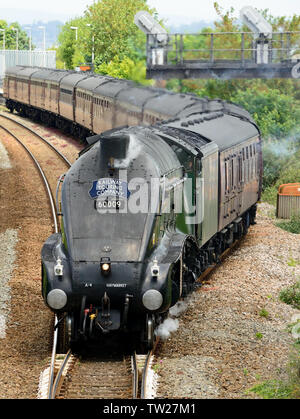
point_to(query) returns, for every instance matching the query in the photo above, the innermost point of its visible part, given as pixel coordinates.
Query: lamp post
(3, 30)
(76, 30)
(17, 37)
(44, 43)
(93, 44)
(17, 43)
(30, 37)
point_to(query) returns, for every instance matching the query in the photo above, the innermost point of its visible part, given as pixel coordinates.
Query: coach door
(240, 182)
(207, 178)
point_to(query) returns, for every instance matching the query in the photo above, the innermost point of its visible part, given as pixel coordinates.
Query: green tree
(11, 36)
(107, 29)
(112, 21)
(276, 113)
(125, 69)
(68, 45)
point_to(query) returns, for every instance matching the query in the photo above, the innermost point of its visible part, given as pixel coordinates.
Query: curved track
(37, 135)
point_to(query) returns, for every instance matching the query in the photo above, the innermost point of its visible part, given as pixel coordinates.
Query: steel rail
(59, 375)
(39, 136)
(145, 375)
(140, 372)
(46, 183)
(54, 216)
(135, 376)
(53, 355)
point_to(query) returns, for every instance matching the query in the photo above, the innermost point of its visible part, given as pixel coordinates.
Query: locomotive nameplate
(109, 187)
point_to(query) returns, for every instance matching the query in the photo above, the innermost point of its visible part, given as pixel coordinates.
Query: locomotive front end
(105, 271)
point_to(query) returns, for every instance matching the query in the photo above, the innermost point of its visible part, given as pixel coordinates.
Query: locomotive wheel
(146, 336)
(65, 333)
(150, 331)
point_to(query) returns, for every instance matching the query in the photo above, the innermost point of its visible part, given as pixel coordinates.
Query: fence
(10, 58)
(225, 46)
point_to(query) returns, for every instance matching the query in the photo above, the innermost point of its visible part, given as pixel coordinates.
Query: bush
(270, 195)
(276, 114)
(291, 295)
(277, 171)
(272, 389)
(293, 226)
(275, 159)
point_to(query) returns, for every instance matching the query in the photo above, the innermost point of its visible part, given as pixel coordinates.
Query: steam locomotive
(166, 183)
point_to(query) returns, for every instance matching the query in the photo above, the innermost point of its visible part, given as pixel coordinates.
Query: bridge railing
(223, 46)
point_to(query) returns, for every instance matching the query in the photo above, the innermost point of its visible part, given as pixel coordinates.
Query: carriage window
(240, 176)
(226, 176)
(247, 153)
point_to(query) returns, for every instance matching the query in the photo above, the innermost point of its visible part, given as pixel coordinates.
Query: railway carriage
(40, 90)
(85, 103)
(146, 209)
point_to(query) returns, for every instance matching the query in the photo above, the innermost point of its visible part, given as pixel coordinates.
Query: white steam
(285, 147)
(170, 325)
(133, 151)
(165, 329)
(178, 308)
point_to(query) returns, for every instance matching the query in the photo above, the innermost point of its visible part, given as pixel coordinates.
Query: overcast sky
(176, 11)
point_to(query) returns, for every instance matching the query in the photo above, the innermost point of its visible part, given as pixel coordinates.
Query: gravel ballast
(4, 159)
(8, 241)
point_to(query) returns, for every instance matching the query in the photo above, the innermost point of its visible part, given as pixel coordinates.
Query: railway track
(40, 137)
(28, 145)
(101, 377)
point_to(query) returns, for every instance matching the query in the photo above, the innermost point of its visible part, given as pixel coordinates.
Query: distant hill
(52, 30)
(33, 15)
